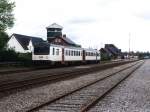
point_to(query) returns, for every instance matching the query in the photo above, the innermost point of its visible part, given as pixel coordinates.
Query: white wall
(14, 44)
(30, 46)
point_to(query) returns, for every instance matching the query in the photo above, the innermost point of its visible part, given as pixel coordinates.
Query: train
(48, 52)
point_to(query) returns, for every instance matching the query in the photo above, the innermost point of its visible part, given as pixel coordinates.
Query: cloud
(88, 22)
(82, 21)
(145, 16)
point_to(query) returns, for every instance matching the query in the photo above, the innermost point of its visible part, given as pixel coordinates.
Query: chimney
(64, 35)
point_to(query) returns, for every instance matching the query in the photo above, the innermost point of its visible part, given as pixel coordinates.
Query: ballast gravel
(25, 100)
(133, 95)
(79, 99)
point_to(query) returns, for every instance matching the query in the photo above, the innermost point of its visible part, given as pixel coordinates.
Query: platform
(133, 95)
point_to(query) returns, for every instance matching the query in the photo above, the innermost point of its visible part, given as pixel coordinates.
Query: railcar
(63, 54)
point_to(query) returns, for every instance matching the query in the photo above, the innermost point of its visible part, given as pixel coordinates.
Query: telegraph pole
(129, 44)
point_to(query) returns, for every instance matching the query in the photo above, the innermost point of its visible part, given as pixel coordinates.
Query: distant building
(55, 36)
(23, 43)
(110, 51)
(105, 52)
(116, 53)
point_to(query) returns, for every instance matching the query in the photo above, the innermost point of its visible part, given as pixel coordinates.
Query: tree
(3, 39)
(6, 16)
(6, 20)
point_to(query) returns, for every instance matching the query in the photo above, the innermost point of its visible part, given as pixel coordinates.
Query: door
(83, 55)
(63, 61)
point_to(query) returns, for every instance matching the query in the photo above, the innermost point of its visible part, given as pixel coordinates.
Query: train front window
(41, 50)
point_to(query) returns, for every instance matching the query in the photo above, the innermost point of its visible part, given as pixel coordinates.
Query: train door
(96, 56)
(63, 61)
(83, 55)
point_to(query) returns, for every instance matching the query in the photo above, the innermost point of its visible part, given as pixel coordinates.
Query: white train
(64, 54)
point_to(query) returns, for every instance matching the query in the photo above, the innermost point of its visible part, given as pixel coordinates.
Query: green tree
(6, 15)
(3, 40)
(6, 20)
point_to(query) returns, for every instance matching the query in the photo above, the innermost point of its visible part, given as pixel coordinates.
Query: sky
(90, 23)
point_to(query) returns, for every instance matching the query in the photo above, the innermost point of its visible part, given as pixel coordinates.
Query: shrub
(8, 55)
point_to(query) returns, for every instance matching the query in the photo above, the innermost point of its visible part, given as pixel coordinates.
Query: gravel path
(133, 95)
(24, 100)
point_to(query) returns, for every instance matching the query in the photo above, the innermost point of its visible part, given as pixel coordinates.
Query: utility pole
(129, 43)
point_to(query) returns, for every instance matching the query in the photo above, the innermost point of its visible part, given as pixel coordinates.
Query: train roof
(90, 49)
(46, 44)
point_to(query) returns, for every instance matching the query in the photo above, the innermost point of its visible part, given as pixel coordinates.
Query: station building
(24, 44)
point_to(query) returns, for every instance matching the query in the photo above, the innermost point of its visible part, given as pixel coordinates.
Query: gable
(14, 44)
(63, 41)
(24, 40)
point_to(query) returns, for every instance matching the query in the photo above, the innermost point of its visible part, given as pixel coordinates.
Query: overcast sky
(91, 23)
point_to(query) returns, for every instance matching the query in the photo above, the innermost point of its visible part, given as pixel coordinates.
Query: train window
(41, 50)
(71, 53)
(66, 52)
(79, 53)
(74, 53)
(57, 51)
(53, 51)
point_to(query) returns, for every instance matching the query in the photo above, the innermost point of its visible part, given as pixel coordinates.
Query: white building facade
(22, 43)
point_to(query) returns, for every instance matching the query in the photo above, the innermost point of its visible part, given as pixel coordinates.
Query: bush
(11, 56)
(105, 57)
(8, 55)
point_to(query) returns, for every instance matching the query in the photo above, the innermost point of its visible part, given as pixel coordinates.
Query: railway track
(10, 70)
(83, 98)
(9, 85)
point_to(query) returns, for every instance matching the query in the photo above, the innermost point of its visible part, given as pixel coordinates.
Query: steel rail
(7, 86)
(78, 89)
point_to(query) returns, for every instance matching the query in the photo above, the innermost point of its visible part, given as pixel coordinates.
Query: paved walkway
(133, 95)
